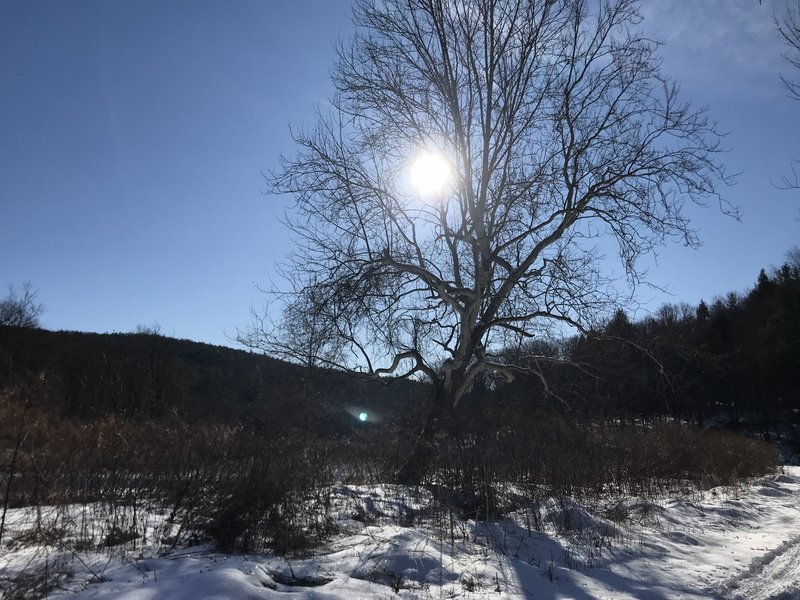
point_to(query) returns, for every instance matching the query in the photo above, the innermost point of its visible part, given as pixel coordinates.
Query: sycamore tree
(452, 201)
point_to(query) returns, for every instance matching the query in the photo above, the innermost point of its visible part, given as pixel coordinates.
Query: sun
(430, 173)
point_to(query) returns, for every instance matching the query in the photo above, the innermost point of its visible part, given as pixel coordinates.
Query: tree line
(732, 361)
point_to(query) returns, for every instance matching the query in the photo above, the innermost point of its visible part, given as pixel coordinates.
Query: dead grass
(250, 492)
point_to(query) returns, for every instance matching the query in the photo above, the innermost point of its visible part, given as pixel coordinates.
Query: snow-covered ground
(726, 543)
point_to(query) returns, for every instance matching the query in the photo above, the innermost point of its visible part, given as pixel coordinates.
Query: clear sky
(133, 136)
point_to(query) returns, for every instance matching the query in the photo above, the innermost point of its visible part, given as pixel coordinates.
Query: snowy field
(727, 543)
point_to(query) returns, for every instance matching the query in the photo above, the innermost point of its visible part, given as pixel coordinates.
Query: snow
(726, 543)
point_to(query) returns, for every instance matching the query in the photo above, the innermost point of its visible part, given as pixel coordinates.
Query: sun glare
(430, 173)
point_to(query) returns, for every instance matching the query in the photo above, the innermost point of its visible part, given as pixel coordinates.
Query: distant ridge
(139, 375)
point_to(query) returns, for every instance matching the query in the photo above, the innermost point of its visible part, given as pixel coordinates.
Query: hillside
(88, 375)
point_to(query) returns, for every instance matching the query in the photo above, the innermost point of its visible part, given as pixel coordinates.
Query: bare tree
(559, 132)
(154, 329)
(20, 310)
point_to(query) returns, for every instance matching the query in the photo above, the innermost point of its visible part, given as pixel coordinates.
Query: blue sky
(133, 136)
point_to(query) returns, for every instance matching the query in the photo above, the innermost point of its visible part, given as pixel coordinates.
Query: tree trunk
(419, 462)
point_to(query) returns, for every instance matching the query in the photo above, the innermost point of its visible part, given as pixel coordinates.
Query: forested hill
(733, 359)
(88, 375)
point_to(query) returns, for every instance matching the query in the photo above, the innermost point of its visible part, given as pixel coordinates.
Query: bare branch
(560, 130)
(788, 25)
(21, 310)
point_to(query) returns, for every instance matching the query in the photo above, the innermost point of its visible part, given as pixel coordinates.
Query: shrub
(250, 492)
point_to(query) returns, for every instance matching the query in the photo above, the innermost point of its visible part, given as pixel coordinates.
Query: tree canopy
(559, 131)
